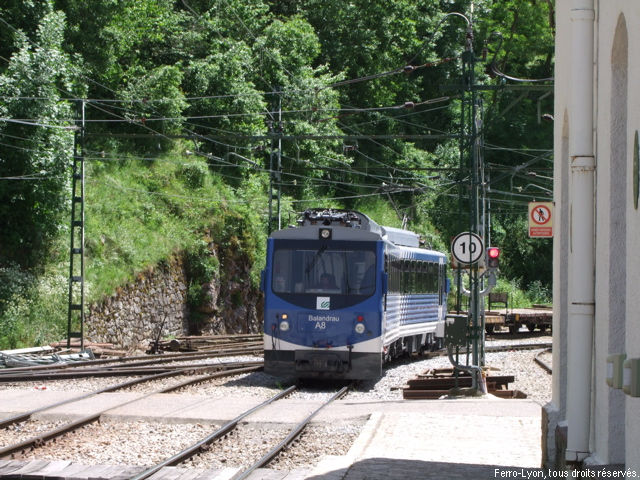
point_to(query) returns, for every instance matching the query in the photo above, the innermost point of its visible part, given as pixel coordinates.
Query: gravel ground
(148, 443)
(85, 385)
(104, 443)
(335, 439)
(530, 378)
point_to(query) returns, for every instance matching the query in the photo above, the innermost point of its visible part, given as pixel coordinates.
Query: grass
(137, 213)
(536, 294)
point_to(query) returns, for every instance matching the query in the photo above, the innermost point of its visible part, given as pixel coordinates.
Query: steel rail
(146, 359)
(522, 346)
(198, 446)
(546, 367)
(113, 372)
(38, 440)
(297, 430)
(112, 388)
(25, 416)
(127, 370)
(496, 348)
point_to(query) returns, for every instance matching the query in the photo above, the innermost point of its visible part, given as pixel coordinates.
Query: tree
(36, 151)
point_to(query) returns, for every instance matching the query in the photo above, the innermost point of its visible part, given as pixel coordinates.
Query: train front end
(324, 285)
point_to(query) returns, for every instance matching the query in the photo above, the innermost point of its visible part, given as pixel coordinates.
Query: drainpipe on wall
(582, 256)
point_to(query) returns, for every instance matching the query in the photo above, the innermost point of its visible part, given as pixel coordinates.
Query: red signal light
(493, 257)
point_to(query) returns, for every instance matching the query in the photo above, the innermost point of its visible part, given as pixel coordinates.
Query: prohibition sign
(540, 214)
(540, 219)
(467, 248)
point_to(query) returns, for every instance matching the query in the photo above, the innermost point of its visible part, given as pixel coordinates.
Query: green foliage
(38, 155)
(202, 265)
(528, 259)
(312, 89)
(193, 175)
(535, 294)
(32, 309)
(195, 295)
(141, 212)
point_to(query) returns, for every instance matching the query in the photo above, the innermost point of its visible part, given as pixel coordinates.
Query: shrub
(193, 175)
(33, 310)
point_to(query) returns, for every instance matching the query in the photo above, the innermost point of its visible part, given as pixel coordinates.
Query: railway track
(197, 448)
(242, 438)
(495, 348)
(202, 444)
(544, 365)
(138, 365)
(434, 384)
(34, 442)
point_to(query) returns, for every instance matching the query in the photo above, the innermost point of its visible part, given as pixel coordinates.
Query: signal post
(469, 256)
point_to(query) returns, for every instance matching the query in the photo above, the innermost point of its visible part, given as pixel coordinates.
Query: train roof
(352, 219)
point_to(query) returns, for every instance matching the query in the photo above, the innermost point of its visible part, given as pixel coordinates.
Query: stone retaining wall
(155, 304)
(133, 316)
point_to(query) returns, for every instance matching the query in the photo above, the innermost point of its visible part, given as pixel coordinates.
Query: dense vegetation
(187, 101)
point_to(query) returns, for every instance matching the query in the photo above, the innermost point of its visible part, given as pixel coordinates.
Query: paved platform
(465, 439)
(404, 439)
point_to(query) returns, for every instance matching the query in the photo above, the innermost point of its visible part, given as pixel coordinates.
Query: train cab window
(304, 270)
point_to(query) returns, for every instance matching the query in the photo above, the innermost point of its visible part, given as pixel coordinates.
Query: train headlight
(325, 233)
(360, 328)
(284, 326)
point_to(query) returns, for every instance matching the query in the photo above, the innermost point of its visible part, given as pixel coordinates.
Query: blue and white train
(344, 294)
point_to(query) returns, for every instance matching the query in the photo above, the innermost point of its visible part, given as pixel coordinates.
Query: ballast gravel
(144, 443)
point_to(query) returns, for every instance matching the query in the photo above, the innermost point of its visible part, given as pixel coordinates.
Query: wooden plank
(75, 471)
(126, 471)
(509, 394)
(30, 467)
(424, 394)
(79, 471)
(10, 466)
(20, 351)
(267, 474)
(49, 471)
(178, 473)
(226, 473)
(98, 472)
(435, 382)
(167, 473)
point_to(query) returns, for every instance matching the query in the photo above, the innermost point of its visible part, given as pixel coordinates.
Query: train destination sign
(467, 248)
(540, 219)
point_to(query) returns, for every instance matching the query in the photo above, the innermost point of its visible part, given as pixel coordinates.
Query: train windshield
(303, 270)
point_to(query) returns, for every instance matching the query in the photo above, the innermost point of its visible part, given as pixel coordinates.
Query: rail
(545, 366)
(200, 444)
(295, 432)
(34, 442)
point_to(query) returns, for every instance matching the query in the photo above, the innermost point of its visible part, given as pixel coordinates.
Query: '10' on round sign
(467, 248)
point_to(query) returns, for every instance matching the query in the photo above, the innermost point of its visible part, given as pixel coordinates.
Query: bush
(202, 265)
(33, 311)
(538, 293)
(535, 294)
(193, 175)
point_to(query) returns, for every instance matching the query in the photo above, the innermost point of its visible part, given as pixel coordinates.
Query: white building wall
(632, 327)
(556, 410)
(611, 133)
(615, 417)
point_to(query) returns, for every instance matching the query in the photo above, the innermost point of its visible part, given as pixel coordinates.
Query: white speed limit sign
(467, 248)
